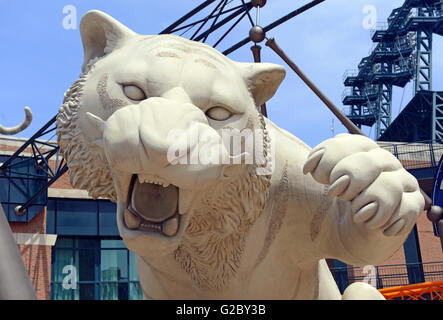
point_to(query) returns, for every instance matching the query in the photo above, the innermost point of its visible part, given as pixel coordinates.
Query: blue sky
(40, 58)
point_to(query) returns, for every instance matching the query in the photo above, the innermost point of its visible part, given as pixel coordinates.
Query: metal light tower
(423, 72)
(403, 53)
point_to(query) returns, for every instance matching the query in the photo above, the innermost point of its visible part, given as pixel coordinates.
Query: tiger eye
(134, 93)
(218, 113)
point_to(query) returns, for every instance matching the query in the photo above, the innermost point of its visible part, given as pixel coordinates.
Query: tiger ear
(101, 34)
(262, 79)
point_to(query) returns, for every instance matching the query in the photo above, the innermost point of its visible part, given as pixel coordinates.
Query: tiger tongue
(154, 202)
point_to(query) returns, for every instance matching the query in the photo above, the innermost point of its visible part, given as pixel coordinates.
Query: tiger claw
(313, 161)
(339, 186)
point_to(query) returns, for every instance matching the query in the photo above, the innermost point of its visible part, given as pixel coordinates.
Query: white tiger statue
(208, 217)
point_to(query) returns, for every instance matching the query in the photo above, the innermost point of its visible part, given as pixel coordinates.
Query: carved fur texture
(87, 170)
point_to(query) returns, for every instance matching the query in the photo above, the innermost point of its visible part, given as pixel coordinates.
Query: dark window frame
(97, 282)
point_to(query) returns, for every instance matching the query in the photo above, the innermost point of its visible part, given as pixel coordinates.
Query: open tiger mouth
(153, 205)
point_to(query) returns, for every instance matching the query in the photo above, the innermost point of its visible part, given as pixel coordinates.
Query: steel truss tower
(423, 73)
(402, 52)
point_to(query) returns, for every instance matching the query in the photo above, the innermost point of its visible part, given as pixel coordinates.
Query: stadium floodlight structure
(402, 53)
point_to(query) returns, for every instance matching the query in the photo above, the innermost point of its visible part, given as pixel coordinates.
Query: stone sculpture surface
(22, 126)
(14, 279)
(223, 228)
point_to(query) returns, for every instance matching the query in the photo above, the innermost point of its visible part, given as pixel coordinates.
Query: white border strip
(68, 193)
(39, 239)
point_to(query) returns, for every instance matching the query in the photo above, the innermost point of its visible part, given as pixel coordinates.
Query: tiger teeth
(152, 179)
(150, 226)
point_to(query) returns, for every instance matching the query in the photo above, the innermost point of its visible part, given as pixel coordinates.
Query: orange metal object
(415, 291)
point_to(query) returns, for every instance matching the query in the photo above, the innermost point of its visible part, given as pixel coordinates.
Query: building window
(93, 268)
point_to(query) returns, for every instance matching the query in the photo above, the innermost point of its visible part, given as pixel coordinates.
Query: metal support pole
(203, 24)
(257, 59)
(14, 279)
(187, 16)
(437, 118)
(423, 72)
(352, 128)
(26, 144)
(384, 109)
(275, 24)
(223, 22)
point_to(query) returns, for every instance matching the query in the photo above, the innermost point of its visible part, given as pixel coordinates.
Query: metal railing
(402, 65)
(401, 43)
(436, 11)
(385, 276)
(361, 92)
(439, 9)
(420, 291)
(415, 155)
(350, 73)
(379, 26)
(368, 109)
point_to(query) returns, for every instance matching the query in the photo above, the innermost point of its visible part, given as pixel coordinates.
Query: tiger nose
(161, 121)
(177, 94)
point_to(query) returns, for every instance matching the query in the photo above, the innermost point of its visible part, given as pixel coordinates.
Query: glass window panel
(76, 217)
(72, 267)
(50, 217)
(114, 265)
(123, 291)
(60, 293)
(114, 291)
(36, 185)
(18, 190)
(108, 223)
(109, 291)
(86, 291)
(101, 270)
(20, 166)
(63, 259)
(132, 267)
(135, 291)
(107, 206)
(87, 243)
(76, 293)
(4, 190)
(113, 243)
(86, 265)
(64, 242)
